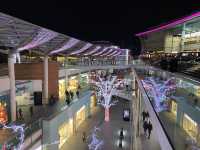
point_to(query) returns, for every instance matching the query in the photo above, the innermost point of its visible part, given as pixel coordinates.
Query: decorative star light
(42, 37)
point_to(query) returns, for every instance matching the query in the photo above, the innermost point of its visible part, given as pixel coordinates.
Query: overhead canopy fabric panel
(66, 46)
(42, 37)
(85, 47)
(93, 51)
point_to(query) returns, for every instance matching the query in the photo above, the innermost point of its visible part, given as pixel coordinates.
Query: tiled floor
(109, 130)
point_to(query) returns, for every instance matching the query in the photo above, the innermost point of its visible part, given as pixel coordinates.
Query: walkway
(109, 131)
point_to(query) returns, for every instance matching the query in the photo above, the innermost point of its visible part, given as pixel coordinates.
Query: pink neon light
(93, 51)
(85, 47)
(42, 37)
(169, 25)
(66, 46)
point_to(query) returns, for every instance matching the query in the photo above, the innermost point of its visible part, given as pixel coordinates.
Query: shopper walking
(143, 115)
(84, 137)
(20, 113)
(31, 111)
(145, 126)
(67, 94)
(71, 95)
(77, 94)
(149, 128)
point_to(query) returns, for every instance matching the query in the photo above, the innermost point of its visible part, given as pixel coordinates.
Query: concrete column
(11, 72)
(88, 110)
(45, 85)
(182, 38)
(179, 116)
(127, 54)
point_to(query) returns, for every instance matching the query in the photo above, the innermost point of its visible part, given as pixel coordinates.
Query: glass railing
(176, 101)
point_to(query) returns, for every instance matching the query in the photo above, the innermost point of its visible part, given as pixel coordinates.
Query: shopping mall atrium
(58, 92)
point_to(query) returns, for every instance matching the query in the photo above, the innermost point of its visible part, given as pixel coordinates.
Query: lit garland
(93, 51)
(159, 91)
(117, 54)
(42, 37)
(66, 46)
(19, 129)
(85, 47)
(95, 143)
(113, 53)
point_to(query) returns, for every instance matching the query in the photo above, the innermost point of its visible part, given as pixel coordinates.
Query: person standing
(143, 115)
(31, 111)
(149, 128)
(67, 94)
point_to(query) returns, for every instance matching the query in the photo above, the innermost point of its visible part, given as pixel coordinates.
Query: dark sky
(115, 21)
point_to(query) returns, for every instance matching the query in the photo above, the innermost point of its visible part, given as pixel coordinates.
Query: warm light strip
(93, 51)
(42, 37)
(172, 24)
(88, 45)
(66, 46)
(99, 53)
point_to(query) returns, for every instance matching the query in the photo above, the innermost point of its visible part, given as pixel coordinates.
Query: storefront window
(73, 84)
(65, 131)
(93, 101)
(80, 116)
(4, 107)
(62, 89)
(24, 93)
(174, 108)
(190, 126)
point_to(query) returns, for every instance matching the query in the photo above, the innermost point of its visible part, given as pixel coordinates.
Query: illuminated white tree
(159, 90)
(106, 88)
(96, 142)
(18, 129)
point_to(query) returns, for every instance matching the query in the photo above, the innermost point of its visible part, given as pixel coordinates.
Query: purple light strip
(117, 54)
(42, 37)
(172, 24)
(93, 51)
(99, 53)
(66, 46)
(108, 52)
(85, 47)
(113, 53)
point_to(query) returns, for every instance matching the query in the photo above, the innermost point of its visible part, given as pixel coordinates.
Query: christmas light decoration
(18, 129)
(93, 51)
(116, 54)
(107, 87)
(66, 46)
(42, 37)
(159, 91)
(88, 45)
(95, 143)
(113, 53)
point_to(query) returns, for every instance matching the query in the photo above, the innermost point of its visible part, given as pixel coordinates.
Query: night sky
(112, 21)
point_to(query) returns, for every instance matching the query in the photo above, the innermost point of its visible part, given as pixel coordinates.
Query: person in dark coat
(77, 94)
(31, 111)
(149, 128)
(20, 113)
(145, 126)
(143, 115)
(71, 94)
(67, 94)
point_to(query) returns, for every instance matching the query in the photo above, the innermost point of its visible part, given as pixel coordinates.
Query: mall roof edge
(170, 24)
